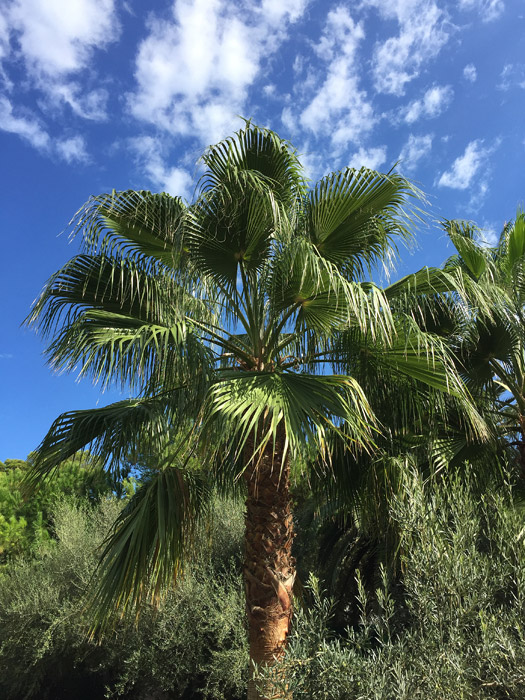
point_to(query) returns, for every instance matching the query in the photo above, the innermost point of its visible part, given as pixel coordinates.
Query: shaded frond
(110, 432)
(149, 542)
(256, 150)
(134, 224)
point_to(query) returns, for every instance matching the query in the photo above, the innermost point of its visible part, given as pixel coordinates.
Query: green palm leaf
(140, 225)
(111, 432)
(353, 217)
(150, 541)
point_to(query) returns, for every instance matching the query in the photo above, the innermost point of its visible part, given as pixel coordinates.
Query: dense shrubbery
(193, 648)
(25, 522)
(459, 631)
(450, 626)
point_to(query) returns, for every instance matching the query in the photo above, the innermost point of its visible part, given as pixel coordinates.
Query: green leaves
(111, 432)
(472, 255)
(258, 153)
(150, 540)
(243, 317)
(306, 407)
(140, 225)
(354, 215)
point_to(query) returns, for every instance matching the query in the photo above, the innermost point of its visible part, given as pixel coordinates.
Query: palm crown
(492, 347)
(238, 321)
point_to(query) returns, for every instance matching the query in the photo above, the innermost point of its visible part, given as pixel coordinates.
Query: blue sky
(102, 94)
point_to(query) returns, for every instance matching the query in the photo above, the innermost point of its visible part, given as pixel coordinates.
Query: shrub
(461, 634)
(192, 647)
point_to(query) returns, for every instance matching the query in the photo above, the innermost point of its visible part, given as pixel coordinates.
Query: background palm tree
(491, 347)
(234, 319)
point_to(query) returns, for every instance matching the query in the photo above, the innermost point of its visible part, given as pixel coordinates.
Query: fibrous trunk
(269, 568)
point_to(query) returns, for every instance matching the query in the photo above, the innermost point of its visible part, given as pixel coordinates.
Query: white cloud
(148, 152)
(416, 148)
(372, 158)
(478, 196)
(57, 38)
(314, 165)
(4, 37)
(89, 104)
(288, 120)
(276, 10)
(6, 356)
(339, 108)
(465, 167)
(470, 73)
(435, 100)
(72, 149)
(488, 10)
(193, 71)
(512, 75)
(423, 31)
(24, 125)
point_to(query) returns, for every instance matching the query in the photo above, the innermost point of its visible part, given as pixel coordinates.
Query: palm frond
(115, 286)
(312, 292)
(354, 217)
(260, 151)
(110, 432)
(307, 407)
(137, 225)
(150, 541)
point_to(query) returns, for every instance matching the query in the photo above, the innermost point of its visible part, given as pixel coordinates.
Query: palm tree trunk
(269, 568)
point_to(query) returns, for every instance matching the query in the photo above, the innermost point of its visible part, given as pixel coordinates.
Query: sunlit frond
(355, 217)
(307, 407)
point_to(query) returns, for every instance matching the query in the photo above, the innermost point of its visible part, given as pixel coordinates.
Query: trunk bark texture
(269, 568)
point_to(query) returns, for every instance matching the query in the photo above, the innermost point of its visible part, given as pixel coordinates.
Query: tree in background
(233, 319)
(491, 347)
(25, 522)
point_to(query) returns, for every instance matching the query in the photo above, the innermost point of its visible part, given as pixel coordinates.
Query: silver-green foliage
(192, 647)
(460, 632)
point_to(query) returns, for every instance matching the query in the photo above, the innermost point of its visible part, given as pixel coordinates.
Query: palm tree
(232, 319)
(491, 348)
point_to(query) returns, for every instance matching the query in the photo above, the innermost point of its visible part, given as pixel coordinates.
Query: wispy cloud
(435, 100)
(470, 73)
(413, 151)
(24, 124)
(463, 170)
(6, 356)
(72, 150)
(149, 152)
(488, 10)
(512, 75)
(88, 104)
(423, 31)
